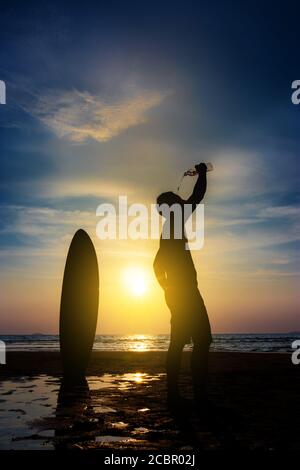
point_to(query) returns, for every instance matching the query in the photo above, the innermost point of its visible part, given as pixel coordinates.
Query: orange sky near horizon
(235, 303)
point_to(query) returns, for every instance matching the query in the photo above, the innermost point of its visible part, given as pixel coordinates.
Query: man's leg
(173, 361)
(199, 366)
(173, 368)
(199, 359)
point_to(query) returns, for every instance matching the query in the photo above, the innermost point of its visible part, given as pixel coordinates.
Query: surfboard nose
(80, 232)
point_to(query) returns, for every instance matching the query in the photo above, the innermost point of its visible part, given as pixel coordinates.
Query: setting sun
(135, 280)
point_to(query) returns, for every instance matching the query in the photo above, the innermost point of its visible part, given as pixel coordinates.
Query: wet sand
(254, 404)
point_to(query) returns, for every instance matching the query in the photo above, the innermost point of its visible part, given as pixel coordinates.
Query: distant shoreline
(157, 334)
(265, 343)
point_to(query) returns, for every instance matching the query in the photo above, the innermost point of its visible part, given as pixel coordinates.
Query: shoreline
(101, 362)
(121, 351)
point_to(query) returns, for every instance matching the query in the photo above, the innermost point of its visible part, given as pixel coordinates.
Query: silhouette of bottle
(193, 172)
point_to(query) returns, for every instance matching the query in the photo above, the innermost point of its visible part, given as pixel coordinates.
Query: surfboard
(79, 305)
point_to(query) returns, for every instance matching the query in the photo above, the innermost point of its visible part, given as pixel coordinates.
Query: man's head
(170, 206)
(168, 198)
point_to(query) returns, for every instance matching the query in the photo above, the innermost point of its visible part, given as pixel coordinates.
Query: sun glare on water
(135, 280)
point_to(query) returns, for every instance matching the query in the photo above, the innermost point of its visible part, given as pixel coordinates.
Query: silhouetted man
(175, 272)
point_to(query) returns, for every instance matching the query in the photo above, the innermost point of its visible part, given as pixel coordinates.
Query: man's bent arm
(159, 271)
(199, 188)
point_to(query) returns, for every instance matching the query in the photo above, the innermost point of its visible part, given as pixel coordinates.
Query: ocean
(280, 342)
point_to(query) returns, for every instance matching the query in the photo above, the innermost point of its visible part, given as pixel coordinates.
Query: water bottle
(194, 172)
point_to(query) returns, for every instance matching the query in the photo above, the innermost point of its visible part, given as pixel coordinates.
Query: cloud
(43, 223)
(78, 116)
(238, 174)
(41, 238)
(281, 211)
(74, 188)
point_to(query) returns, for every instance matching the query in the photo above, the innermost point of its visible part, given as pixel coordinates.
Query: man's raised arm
(199, 188)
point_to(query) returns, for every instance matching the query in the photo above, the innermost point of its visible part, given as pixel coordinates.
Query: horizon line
(158, 334)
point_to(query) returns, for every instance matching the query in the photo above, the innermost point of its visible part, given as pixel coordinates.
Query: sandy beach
(253, 404)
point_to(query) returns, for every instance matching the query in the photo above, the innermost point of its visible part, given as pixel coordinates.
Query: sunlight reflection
(137, 377)
(139, 343)
(139, 347)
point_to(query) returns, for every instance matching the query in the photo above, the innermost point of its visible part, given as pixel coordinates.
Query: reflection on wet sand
(97, 414)
(74, 414)
(22, 401)
(126, 408)
(48, 412)
(111, 411)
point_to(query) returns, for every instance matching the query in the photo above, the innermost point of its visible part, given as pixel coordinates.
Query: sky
(120, 98)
